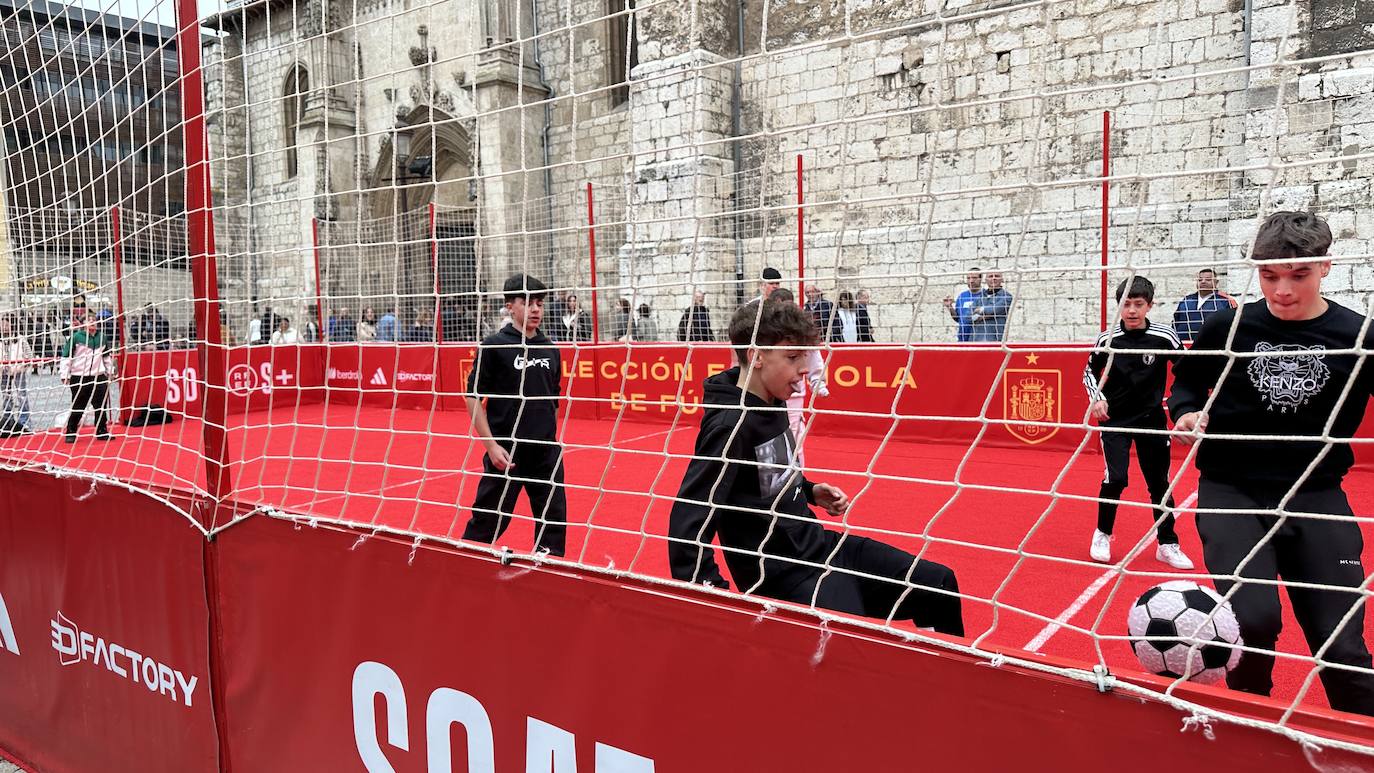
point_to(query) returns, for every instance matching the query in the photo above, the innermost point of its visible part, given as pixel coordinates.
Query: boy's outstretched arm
(827, 497)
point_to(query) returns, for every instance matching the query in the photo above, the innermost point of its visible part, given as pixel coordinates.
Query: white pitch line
(627, 440)
(1087, 595)
(1051, 629)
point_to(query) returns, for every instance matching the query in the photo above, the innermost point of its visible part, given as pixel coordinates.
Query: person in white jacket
(16, 358)
(86, 367)
(284, 335)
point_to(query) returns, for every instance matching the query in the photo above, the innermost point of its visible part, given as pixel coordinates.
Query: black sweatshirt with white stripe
(1128, 369)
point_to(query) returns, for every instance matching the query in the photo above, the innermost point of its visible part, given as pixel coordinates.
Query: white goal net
(953, 190)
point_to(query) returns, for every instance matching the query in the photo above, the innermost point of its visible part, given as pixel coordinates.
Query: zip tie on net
(510, 572)
(1199, 720)
(540, 556)
(1104, 678)
(90, 492)
(764, 611)
(820, 645)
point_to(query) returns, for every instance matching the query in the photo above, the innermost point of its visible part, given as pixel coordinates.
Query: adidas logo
(7, 641)
(379, 378)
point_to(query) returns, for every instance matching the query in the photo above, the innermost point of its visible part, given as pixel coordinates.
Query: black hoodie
(744, 467)
(509, 364)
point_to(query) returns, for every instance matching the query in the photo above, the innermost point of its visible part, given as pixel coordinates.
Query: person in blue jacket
(961, 307)
(988, 318)
(1195, 308)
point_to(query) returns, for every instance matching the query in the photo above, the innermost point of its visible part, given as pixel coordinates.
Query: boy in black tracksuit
(1282, 382)
(1127, 393)
(743, 487)
(519, 372)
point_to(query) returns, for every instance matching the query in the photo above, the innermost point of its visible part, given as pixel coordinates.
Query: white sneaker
(1171, 554)
(1101, 551)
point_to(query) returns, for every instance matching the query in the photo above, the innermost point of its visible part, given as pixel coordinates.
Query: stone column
(226, 129)
(679, 233)
(325, 164)
(511, 185)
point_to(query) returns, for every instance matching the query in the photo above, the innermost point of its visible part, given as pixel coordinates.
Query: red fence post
(801, 234)
(1106, 188)
(591, 244)
(434, 265)
(116, 249)
(319, 287)
(204, 274)
(212, 355)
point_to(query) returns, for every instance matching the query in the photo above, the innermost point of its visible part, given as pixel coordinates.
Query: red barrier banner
(383, 659)
(257, 377)
(930, 394)
(170, 378)
(401, 375)
(104, 630)
(262, 377)
(1000, 397)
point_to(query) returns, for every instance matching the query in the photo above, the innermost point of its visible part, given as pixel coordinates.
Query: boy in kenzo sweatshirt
(1284, 382)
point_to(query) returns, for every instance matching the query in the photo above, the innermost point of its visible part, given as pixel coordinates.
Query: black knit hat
(524, 286)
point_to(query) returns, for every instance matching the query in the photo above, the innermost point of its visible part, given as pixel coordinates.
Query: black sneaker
(104, 436)
(69, 438)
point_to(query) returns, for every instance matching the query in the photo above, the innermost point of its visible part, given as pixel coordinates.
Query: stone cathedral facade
(932, 137)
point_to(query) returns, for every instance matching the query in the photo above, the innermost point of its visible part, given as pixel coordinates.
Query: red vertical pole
(434, 266)
(591, 244)
(801, 236)
(212, 355)
(116, 249)
(1106, 188)
(319, 287)
(204, 274)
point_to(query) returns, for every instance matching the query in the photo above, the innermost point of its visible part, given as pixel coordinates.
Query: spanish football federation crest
(1031, 395)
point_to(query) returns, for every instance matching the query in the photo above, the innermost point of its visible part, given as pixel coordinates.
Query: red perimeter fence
(133, 643)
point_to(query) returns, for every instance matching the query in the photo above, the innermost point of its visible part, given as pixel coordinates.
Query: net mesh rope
(377, 170)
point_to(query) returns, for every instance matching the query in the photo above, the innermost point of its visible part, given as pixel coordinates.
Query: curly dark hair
(776, 323)
(1285, 235)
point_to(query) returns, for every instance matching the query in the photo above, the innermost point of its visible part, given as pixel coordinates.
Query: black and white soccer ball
(1192, 632)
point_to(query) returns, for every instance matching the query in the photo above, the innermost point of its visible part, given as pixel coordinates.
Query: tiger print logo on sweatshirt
(1290, 379)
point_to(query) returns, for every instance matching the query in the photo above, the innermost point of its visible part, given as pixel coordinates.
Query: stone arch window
(293, 110)
(622, 48)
